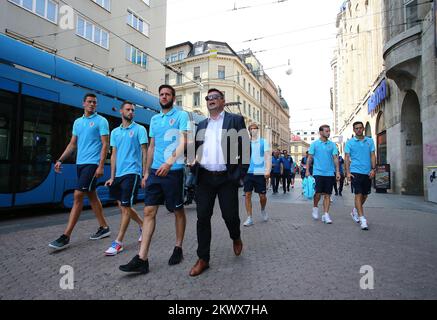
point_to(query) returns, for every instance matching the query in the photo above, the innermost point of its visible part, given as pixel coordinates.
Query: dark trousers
(340, 189)
(286, 180)
(276, 177)
(210, 186)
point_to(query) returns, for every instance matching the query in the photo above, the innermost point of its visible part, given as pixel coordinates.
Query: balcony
(402, 57)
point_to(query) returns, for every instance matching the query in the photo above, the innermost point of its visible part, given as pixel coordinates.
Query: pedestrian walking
(128, 160)
(258, 173)
(222, 147)
(323, 154)
(360, 170)
(164, 177)
(339, 190)
(276, 171)
(90, 139)
(287, 164)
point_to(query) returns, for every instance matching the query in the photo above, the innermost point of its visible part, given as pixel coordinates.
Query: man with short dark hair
(220, 147)
(163, 177)
(287, 163)
(360, 170)
(128, 161)
(90, 140)
(324, 154)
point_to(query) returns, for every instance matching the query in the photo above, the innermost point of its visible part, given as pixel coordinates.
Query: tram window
(62, 131)
(36, 153)
(7, 108)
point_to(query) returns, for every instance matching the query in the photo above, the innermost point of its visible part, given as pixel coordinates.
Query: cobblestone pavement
(289, 257)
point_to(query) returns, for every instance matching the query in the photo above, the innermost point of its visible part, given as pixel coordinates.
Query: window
(179, 100)
(181, 55)
(312, 139)
(253, 92)
(296, 149)
(221, 72)
(305, 139)
(238, 77)
(36, 152)
(244, 107)
(305, 133)
(196, 99)
(312, 132)
(244, 84)
(249, 88)
(104, 4)
(8, 103)
(46, 9)
(179, 78)
(138, 23)
(196, 73)
(411, 13)
(167, 79)
(91, 32)
(136, 56)
(250, 111)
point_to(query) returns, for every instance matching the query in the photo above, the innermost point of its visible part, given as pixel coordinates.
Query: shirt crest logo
(131, 134)
(91, 124)
(172, 121)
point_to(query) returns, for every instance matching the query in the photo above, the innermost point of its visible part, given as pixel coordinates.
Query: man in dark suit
(223, 156)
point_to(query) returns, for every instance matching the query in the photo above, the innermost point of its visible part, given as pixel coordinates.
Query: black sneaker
(61, 243)
(136, 265)
(176, 257)
(101, 233)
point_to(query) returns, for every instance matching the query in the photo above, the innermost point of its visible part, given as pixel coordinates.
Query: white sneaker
(264, 215)
(141, 236)
(248, 222)
(364, 223)
(316, 213)
(326, 219)
(354, 215)
(115, 248)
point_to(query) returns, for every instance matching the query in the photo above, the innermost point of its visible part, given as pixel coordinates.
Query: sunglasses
(213, 97)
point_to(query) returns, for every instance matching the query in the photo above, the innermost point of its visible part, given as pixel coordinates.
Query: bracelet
(59, 160)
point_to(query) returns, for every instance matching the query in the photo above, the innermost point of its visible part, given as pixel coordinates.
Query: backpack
(308, 186)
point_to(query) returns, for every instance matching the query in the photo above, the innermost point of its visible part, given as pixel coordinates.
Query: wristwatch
(59, 160)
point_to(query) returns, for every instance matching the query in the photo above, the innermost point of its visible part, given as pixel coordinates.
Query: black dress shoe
(176, 257)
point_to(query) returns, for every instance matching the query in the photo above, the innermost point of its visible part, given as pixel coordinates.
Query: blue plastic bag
(309, 186)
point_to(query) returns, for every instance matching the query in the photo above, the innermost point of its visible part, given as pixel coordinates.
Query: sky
(295, 34)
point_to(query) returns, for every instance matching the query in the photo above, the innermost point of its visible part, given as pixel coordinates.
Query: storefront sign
(382, 177)
(381, 93)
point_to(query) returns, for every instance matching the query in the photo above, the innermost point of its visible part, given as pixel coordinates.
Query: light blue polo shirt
(360, 151)
(166, 129)
(128, 143)
(88, 131)
(322, 152)
(257, 162)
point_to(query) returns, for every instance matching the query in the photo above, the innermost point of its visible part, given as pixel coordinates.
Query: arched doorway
(368, 132)
(412, 145)
(381, 139)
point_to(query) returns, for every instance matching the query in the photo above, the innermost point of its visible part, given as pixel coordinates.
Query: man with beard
(163, 177)
(128, 161)
(323, 154)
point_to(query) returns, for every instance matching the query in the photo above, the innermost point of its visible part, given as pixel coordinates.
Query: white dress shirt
(212, 154)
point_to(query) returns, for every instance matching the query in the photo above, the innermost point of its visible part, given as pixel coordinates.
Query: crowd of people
(158, 161)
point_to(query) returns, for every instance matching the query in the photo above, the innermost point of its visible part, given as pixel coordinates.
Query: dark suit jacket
(235, 140)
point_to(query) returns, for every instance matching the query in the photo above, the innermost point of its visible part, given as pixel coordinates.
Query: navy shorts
(361, 183)
(324, 184)
(125, 189)
(168, 190)
(86, 181)
(255, 181)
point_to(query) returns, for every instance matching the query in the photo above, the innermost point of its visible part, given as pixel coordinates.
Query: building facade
(121, 39)
(410, 116)
(298, 148)
(194, 68)
(357, 69)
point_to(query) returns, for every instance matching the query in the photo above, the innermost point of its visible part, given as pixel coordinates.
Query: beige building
(298, 148)
(357, 68)
(410, 116)
(124, 39)
(385, 75)
(195, 68)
